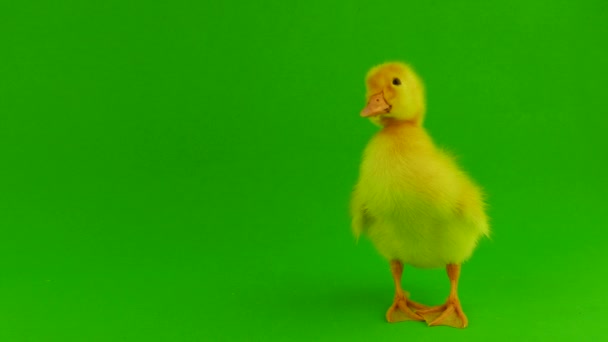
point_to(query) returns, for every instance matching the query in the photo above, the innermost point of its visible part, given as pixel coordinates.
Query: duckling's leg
(450, 313)
(402, 309)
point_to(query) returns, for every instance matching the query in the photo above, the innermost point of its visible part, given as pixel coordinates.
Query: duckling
(412, 200)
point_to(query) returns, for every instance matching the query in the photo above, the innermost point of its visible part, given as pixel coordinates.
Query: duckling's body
(420, 206)
(412, 200)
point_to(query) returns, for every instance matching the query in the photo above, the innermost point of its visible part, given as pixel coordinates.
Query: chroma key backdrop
(181, 171)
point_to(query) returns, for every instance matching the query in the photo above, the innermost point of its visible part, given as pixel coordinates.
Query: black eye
(396, 81)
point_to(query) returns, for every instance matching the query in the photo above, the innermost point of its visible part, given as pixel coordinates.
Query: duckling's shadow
(370, 300)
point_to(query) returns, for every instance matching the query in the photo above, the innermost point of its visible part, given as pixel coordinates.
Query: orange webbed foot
(450, 313)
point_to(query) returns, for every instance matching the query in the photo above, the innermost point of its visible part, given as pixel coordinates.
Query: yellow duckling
(412, 200)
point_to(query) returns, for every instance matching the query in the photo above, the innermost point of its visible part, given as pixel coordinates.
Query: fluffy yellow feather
(411, 199)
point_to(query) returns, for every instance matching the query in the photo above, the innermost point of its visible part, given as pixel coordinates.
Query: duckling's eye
(396, 81)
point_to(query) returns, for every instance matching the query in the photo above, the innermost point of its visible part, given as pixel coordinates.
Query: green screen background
(181, 171)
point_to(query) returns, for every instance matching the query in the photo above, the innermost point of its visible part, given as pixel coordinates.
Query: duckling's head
(394, 93)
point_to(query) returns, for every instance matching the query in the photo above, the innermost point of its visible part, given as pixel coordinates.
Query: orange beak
(376, 105)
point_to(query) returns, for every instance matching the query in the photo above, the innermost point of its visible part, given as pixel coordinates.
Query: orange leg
(450, 313)
(402, 309)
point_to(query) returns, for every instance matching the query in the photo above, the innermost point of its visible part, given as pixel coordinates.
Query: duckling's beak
(375, 106)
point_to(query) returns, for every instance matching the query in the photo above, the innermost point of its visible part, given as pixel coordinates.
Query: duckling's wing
(361, 218)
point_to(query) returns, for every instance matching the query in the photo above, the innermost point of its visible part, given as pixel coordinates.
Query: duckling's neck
(404, 137)
(403, 133)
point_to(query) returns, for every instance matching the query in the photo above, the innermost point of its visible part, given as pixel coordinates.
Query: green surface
(181, 171)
